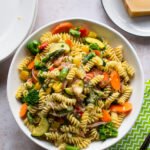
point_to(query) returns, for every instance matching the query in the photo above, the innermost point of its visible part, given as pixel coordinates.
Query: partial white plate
(115, 9)
(17, 20)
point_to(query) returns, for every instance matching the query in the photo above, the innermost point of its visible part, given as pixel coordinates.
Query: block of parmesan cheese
(138, 7)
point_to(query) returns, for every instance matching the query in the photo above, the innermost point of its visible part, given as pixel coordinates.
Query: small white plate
(17, 19)
(116, 10)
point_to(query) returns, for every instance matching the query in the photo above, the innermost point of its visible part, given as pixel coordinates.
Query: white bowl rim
(100, 24)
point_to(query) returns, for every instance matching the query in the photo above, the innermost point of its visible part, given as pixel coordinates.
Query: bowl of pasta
(75, 84)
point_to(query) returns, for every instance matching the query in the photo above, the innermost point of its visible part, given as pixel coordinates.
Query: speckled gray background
(11, 137)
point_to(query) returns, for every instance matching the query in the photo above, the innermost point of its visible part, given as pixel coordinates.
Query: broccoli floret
(107, 131)
(32, 97)
(33, 47)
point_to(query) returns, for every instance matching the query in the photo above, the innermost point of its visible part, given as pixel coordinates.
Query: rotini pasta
(71, 74)
(96, 80)
(80, 73)
(127, 91)
(94, 135)
(25, 62)
(53, 136)
(130, 70)
(111, 53)
(19, 93)
(111, 99)
(119, 52)
(117, 119)
(61, 98)
(89, 65)
(84, 120)
(73, 120)
(70, 128)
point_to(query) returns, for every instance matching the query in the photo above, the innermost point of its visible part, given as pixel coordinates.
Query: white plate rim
(126, 30)
(26, 34)
(93, 21)
(34, 19)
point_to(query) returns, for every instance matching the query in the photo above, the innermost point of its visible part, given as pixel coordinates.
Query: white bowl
(115, 39)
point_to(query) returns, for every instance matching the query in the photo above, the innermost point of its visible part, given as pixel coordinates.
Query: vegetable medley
(75, 87)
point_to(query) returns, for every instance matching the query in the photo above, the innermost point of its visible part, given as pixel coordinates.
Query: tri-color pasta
(74, 85)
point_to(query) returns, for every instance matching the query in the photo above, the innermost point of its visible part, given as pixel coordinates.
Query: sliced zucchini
(58, 46)
(41, 128)
(93, 40)
(69, 91)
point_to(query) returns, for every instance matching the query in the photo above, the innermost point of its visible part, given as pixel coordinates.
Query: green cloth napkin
(134, 139)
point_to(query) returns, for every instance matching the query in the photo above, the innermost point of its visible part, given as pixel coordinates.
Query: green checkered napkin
(134, 139)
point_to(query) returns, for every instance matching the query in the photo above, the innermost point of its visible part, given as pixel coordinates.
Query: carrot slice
(106, 76)
(126, 107)
(97, 52)
(115, 80)
(69, 42)
(106, 116)
(31, 65)
(89, 76)
(23, 110)
(62, 27)
(51, 68)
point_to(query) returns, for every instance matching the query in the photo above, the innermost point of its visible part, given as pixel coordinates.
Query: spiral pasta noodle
(25, 62)
(117, 119)
(71, 74)
(73, 120)
(111, 99)
(52, 136)
(111, 53)
(89, 65)
(127, 91)
(61, 98)
(84, 120)
(70, 128)
(19, 93)
(119, 52)
(94, 135)
(130, 70)
(96, 80)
